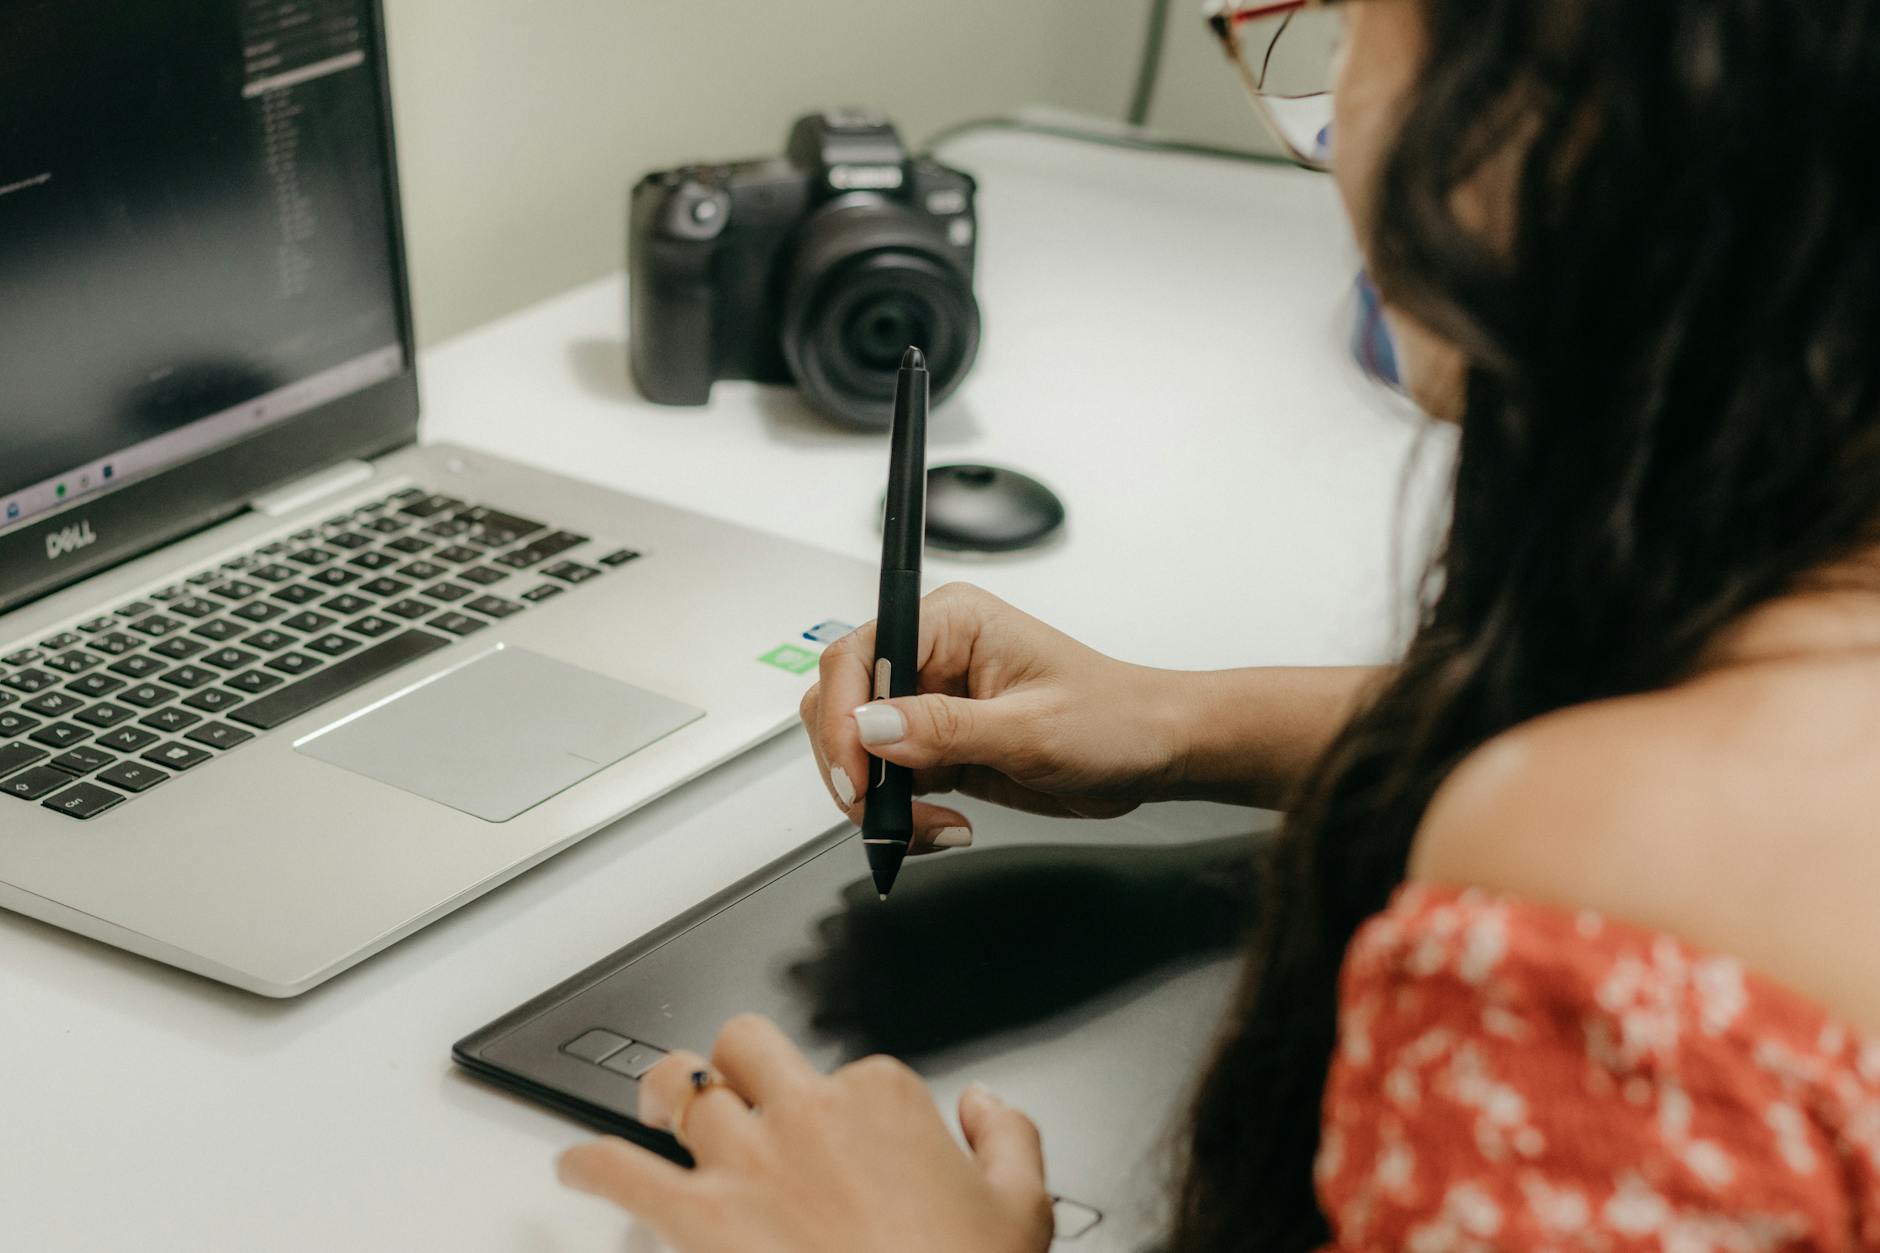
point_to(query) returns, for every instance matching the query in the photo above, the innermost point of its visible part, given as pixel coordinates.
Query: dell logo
(69, 539)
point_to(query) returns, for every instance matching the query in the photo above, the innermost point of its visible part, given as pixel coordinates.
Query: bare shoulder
(1741, 815)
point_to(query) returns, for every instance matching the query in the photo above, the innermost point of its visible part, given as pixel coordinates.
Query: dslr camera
(820, 268)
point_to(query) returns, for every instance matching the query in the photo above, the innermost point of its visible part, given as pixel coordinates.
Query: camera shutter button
(705, 212)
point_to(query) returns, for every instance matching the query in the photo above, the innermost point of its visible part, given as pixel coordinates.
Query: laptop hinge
(303, 492)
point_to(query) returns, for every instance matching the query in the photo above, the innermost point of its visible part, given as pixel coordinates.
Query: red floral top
(1512, 1076)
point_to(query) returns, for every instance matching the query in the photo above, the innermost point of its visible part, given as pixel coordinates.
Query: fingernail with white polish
(953, 837)
(879, 724)
(844, 786)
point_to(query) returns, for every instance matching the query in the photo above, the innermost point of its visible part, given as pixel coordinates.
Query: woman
(1596, 858)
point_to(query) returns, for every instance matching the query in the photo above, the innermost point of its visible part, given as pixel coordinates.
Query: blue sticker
(827, 632)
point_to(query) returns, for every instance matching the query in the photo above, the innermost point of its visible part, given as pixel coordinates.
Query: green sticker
(790, 657)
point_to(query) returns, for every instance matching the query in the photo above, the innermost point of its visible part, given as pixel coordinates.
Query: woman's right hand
(1010, 711)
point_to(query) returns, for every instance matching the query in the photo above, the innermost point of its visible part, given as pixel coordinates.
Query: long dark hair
(1670, 418)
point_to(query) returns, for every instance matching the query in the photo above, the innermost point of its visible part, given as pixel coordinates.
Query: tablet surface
(1078, 969)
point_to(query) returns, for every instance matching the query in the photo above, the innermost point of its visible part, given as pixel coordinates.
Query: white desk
(1164, 346)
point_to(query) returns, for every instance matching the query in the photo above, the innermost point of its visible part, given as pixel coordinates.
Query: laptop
(278, 684)
(1079, 969)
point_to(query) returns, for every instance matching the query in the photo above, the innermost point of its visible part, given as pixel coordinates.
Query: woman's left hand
(793, 1161)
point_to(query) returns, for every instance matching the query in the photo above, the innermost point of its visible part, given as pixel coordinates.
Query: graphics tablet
(1079, 969)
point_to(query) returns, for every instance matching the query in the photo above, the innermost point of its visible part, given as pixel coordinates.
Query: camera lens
(869, 279)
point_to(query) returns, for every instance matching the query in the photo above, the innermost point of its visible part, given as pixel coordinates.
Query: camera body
(819, 268)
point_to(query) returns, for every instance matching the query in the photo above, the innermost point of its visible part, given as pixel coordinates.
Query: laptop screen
(196, 237)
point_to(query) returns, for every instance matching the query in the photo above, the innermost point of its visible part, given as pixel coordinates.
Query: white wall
(522, 125)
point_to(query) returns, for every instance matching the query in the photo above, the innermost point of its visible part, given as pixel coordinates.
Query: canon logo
(69, 539)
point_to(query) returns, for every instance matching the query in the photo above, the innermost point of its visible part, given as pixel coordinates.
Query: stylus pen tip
(884, 896)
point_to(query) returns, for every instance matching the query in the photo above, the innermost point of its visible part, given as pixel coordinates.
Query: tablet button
(595, 1045)
(1072, 1219)
(634, 1060)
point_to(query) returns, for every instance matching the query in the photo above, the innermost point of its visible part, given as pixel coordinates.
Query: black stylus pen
(888, 811)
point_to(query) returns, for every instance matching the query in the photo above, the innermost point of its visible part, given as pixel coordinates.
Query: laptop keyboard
(101, 713)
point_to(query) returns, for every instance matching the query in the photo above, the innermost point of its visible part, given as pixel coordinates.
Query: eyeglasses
(1286, 54)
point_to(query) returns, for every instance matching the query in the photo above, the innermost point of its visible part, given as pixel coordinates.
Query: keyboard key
(346, 605)
(298, 594)
(106, 714)
(409, 608)
(196, 607)
(82, 760)
(271, 550)
(25, 657)
(447, 592)
(219, 735)
(253, 681)
(55, 704)
(34, 783)
(127, 739)
(372, 626)
(423, 571)
(59, 735)
(333, 576)
(179, 648)
(7, 698)
(374, 560)
(83, 800)
(235, 565)
(148, 695)
(619, 557)
(64, 639)
(220, 631)
(203, 579)
(171, 719)
(338, 522)
(482, 576)
(229, 658)
(157, 625)
(269, 641)
(15, 755)
(312, 556)
(275, 572)
(384, 587)
(457, 623)
(13, 722)
(351, 541)
(74, 662)
(212, 700)
(177, 756)
(431, 506)
(494, 606)
(308, 622)
(189, 676)
(332, 645)
(133, 777)
(293, 663)
(116, 644)
(136, 609)
(336, 680)
(407, 493)
(410, 545)
(305, 537)
(95, 685)
(167, 594)
(457, 554)
(449, 528)
(386, 526)
(572, 572)
(536, 595)
(238, 590)
(258, 611)
(30, 681)
(499, 530)
(97, 624)
(138, 667)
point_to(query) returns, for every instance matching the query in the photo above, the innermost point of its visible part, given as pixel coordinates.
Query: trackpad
(502, 734)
